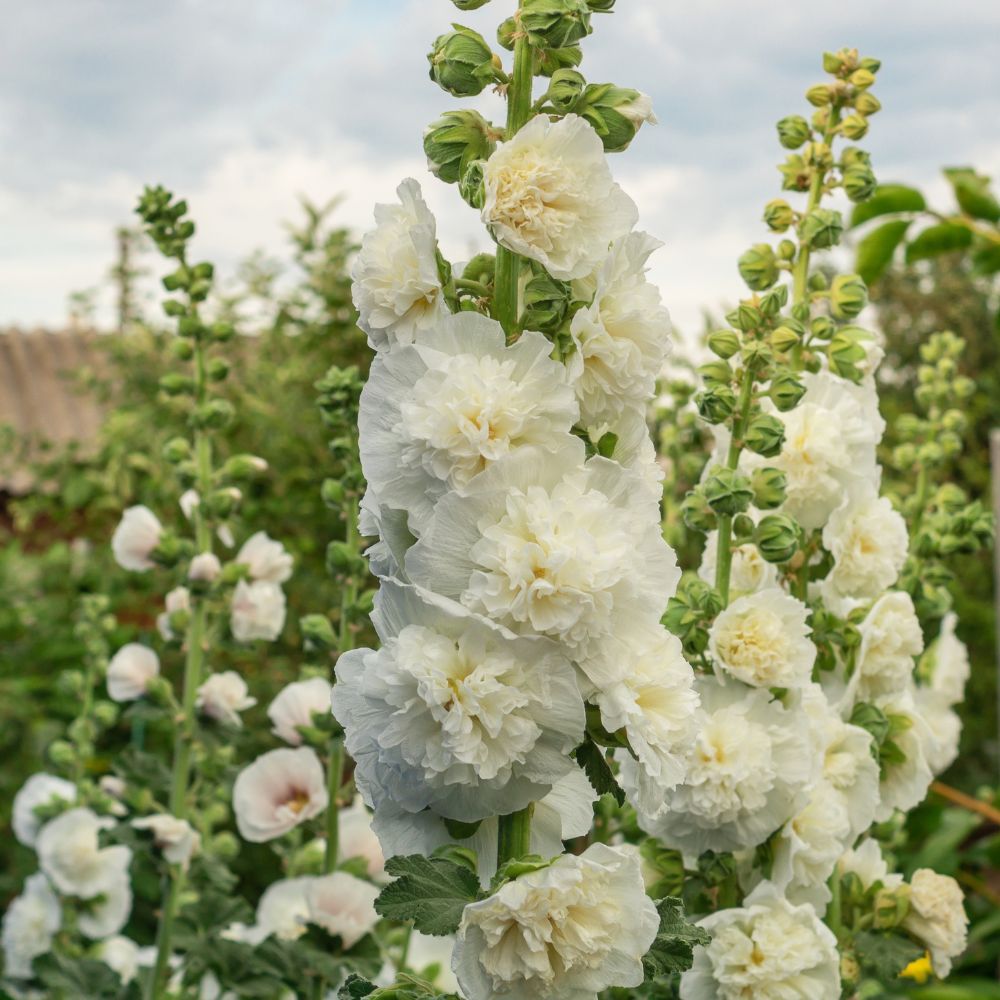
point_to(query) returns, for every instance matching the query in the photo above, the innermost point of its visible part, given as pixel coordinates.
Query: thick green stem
(514, 835)
(833, 914)
(336, 768)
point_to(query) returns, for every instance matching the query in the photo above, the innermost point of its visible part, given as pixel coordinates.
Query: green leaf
(986, 261)
(355, 988)
(935, 240)
(972, 192)
(431, 892)
(673, 948)
(876, 250)
(885, 955)
(887, 200)
(77, 977)
(595, 765)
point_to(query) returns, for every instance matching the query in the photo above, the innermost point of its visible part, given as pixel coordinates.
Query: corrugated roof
(37, 395)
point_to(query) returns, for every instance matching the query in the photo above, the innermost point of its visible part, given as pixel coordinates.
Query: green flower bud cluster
(690, 613)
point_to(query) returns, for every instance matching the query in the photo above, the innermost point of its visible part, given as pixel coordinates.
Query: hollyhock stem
(336, 767)
(514, 835)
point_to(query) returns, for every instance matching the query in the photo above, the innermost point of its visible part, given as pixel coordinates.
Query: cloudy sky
(243, 106)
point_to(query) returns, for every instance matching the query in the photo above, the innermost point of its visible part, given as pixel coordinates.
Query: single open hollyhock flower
(550, 196)
(937, 917)
(868, 540)
(949, 662)
(545, 544)
(121, 954)
(655, 703)
(564, 932)
(750, 771)
(358, 840)
(903, 785)
(295, 705)
(454, 713)
(188, 502)
(283, 911)
(765, 949)
(265, 558)
(39, 790)
(748, 572)
(763, 640)
(107, 913)
(176, 838)
(177, 600)
(205, 568)
(137, 535)
(623, 336)
(70, 854)
(277, 792)
(891, 638)
(397, 288)
(342, 905)
(257, 611)
(435, 414)
(130, 670)
(830, 440)
(29, 926)
(223, 696)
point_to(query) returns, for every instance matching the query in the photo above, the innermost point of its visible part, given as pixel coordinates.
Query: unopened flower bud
(244, 467)
(765, 435)
(565, 89)
(793, 131)
(205, 568)
(697, 513)
(846, 355)
(616, 113)
(225, 845)
(716, 404)
(848, 296)
(471, 185)
(833, 63)
(455, 140)
(777, 538)
(821, 228)
(819, 95)
(716, 373)
(601, 6)
(867, 104)
(182, 349)
(778, 215)
(769, 488)
(724, 343)
(786, 250)
(727, 491)
(759, 267)
(854, 127)
(554, 24)
(216, 413)
(861, 78)
(891, 907)
(176, 450)
(462, 63)
(175, 384)
(62, 753)
(743, 528)
(332, 492)
(783, 339)
(785, 391)
(859, 183)
(318, 630)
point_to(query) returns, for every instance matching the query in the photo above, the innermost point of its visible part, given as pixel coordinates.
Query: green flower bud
(796, 176)
(182, 349)
(548, 61)
(716, 404)
(601, 6)
(774, 301)
(332, 492)
(62, 753)
(891, 907)
(785, 391)
(859, 183)
(861, 78)
(765, 435)
(727, 491)
(176, 280)
(159, 691)
(244, 467)
(833, 63)
(216, 413)
(175, 384)
(318, 630)
(217, 369)
(221, 332)
(783, 339)
(854, 127)
(848, 296)
(455, 140)
(697, 514)
(716, 373)
(822, 328)
(724, 343)
(546, 301)
(616, 113)
(554, 24)
(793, 131)
(759, 267)
(769, 488)
(872, 65)
(846, 354)
(867, 104)
(853, 156)
(471, 185)
(462, 63)
(174, 308)
(225, 845)
(343, 560)
(778, 215)
(786, 250)
(821, 228)
(176, 450)
(566, 89)
(777, 538)
(820, 95)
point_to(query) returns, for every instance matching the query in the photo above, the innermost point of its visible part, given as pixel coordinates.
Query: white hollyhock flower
(868, 540)
(295, 705)
(391, 527)
(29, 925)
(949, 662)
(639, 111)
(257, 611)
(937, 917)
(763, 640)
(750, 771)
(766, 949)
(397, 288)
(130, 670)
(945, 728)
(867, 863)
(748, 573)
(564, 932)
(342, 905)
(830, 440)
(905, 784)
(545, 544)
(108, 913)
(357, 839)
(622, 337)
(890, 639)
(177, 600)
(205, 567)
(453, 713)
(655, 703)
(176, 838)
(70, 854)
(265, 558)
(188, 502)
(550, 197)
(137, 535)
(39, 790)
(122, 955)
(436, 414)
(223, 696)
(430, 958)
(277, 792)
(283, 911)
